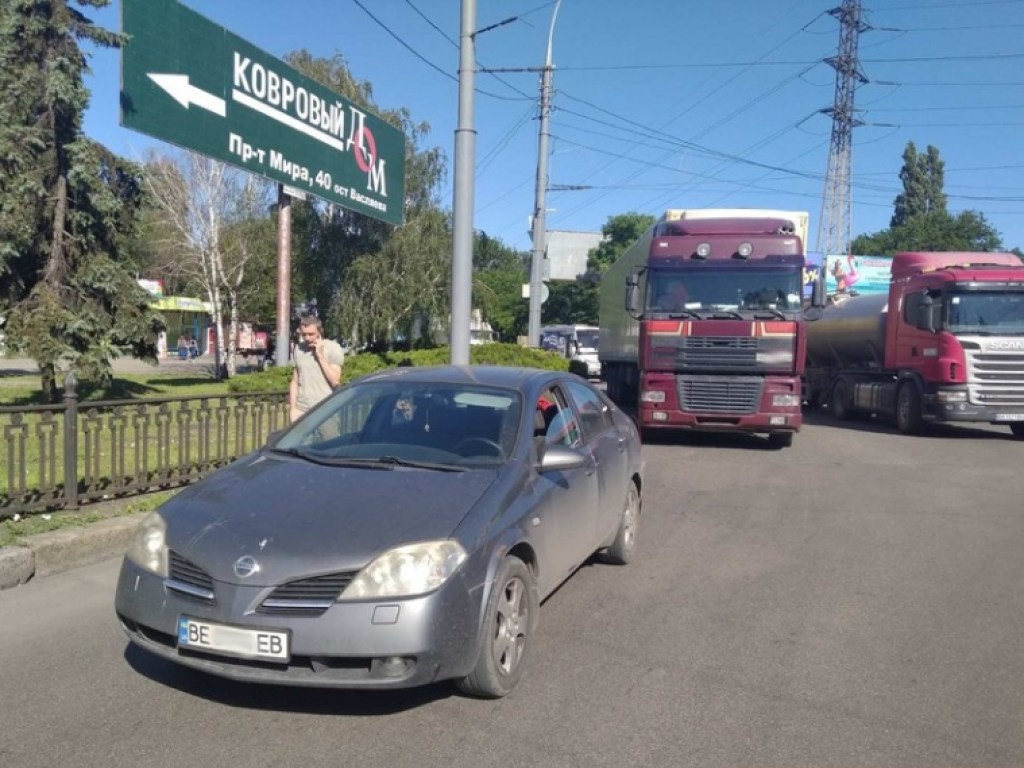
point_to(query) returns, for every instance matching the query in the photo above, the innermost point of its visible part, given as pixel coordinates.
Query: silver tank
(850, 331)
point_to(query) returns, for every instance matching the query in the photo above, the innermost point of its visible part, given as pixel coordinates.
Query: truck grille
(719, 394)
(994, 378)
(717, 352)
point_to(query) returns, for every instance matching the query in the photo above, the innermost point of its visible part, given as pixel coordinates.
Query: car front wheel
(509, 621)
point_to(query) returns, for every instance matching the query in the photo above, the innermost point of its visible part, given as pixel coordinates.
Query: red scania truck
(702, 323)
(946, 344)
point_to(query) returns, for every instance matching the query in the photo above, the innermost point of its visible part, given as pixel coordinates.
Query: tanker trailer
(946, 344)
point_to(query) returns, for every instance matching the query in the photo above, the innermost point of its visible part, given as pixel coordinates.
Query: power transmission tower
(834, 223)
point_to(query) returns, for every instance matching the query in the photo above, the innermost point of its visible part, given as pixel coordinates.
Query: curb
(45, 554)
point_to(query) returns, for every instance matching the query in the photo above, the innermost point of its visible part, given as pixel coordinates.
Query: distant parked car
(402, 532)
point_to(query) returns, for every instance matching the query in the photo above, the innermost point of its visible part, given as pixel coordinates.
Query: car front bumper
(366, 644)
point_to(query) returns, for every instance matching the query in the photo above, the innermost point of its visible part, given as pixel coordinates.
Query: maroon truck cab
(711, 335)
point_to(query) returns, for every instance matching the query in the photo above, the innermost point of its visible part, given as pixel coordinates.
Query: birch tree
(201, 200)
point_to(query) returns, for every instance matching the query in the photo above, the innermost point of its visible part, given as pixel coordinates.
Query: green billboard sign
(190, 82)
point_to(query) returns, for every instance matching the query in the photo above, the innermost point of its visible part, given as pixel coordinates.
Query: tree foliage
(920, 221)
(923, 178)
(67, 206)
(499, 275)
(335, 250)
(933, 231)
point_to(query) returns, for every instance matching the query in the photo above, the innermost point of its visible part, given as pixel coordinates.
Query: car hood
(300, 519)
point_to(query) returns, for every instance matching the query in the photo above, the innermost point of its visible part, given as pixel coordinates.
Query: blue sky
(668, 104)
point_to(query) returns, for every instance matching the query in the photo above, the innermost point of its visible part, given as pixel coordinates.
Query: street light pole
(539, 209)
(462, 213)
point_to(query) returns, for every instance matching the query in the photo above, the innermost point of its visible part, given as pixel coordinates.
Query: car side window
(594, 415)
(562, 427)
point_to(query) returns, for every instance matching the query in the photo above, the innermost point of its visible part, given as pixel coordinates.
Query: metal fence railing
(64, 455)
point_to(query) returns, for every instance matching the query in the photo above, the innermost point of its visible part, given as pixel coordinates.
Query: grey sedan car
(403, 532)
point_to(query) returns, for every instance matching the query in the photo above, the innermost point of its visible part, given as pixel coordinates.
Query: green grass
(24, 389)
(12, 533)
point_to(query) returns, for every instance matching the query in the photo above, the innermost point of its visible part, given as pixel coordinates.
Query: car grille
(719, 394)
(189, 579)
(994, 378)
(306, 597)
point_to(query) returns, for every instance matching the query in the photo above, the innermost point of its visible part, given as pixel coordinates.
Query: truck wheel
(1017, 428)
(909, 420)
(780, 439)
(839, 403)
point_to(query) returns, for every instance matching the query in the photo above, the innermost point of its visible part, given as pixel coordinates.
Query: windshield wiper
(394, 461)
(334, 461)
(771, 313)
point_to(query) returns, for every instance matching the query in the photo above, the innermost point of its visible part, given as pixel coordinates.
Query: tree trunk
(48, 382)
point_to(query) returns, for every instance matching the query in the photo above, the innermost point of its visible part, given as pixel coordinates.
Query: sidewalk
(203, 365)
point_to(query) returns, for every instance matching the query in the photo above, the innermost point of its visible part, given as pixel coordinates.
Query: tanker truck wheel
(839, 402)
(909, 420)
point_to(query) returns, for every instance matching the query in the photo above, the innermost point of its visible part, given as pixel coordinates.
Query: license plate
(246, 643)
(1010, 417)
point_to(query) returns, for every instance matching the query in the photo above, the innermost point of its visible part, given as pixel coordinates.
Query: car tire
(1017, 428)
(509, 620)
(622, 549)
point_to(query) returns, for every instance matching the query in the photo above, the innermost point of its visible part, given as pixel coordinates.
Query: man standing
(318, 364)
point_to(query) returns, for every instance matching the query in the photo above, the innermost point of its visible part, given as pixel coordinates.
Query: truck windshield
(587, 338)
(725, 288)
(986, 312)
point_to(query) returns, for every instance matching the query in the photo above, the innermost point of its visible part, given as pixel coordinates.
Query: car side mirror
(274, 436)
(557, 458)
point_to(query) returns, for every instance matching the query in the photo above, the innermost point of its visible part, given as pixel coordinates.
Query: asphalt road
(855, 600)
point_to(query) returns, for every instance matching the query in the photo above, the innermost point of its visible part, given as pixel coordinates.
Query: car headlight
(148, 546)
(413, 569)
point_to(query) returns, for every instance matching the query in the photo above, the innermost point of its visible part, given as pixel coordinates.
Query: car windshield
(388, 424)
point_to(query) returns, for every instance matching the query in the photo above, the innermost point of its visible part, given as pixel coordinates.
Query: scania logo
(1006, 344)
(245, 566)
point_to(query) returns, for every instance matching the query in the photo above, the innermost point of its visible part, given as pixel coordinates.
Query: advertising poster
(857, 274)
(812, 270)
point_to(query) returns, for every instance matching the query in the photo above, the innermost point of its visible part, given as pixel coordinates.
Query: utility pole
(834, 224)
(462, 215)
(539, 207)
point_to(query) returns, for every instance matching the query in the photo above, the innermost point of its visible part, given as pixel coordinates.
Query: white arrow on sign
(183, 92)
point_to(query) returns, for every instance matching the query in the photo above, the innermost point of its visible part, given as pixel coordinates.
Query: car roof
(486, 375)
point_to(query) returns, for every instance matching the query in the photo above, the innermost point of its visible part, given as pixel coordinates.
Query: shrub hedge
(277, 379)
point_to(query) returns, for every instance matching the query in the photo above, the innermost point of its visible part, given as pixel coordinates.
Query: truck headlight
(652, 396)
(412, 569)
(148, 545)
(951, 396)
(786, 401)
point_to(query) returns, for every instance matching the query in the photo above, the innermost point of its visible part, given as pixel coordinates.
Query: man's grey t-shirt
(313, 386)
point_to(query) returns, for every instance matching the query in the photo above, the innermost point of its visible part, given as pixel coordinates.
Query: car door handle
(622, 444)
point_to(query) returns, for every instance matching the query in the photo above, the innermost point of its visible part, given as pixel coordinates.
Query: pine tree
(67, 206)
